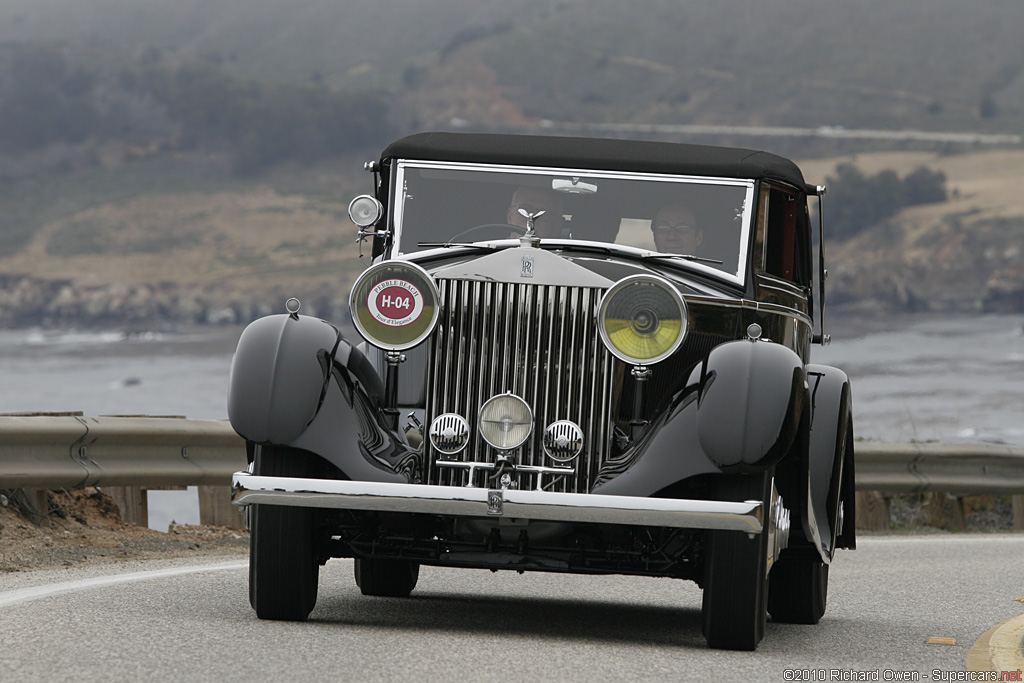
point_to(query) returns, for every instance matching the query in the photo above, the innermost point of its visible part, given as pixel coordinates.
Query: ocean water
(110, 372)
(933, 378)
(947, 378)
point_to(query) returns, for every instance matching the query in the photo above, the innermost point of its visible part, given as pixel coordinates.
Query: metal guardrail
(69, 451)
(45, 452)
(959, 468)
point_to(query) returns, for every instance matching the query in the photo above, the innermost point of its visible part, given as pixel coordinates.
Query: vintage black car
(581, 355)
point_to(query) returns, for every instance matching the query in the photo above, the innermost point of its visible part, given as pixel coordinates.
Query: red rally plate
(395, 303)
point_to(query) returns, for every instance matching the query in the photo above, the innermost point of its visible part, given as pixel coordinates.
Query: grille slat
(537, 341)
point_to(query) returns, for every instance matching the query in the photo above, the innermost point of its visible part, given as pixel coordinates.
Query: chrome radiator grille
(539, 342)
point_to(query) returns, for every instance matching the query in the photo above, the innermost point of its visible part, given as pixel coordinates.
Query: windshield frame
(396, 209)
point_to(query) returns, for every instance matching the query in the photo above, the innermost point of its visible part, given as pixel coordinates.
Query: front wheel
(734, 606)
(735, 601)
(284, 565)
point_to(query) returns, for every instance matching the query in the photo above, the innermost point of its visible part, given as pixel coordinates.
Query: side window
(781, 248)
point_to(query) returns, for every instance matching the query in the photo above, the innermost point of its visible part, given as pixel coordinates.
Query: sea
(921, 377)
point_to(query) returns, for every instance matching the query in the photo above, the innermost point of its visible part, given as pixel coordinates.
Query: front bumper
(249, 489)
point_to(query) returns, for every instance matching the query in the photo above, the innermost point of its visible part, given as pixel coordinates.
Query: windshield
(705, 220)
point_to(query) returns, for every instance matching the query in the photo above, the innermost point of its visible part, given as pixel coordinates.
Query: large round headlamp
(394, 305)
(642, 319)
(505, 421)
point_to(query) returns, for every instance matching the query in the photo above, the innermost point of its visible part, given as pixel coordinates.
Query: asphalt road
(886, 599)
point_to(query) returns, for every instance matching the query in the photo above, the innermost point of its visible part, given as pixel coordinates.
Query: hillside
(175, 240)
(930, 64)
(960, 255)
(231, 250)
(192, 161)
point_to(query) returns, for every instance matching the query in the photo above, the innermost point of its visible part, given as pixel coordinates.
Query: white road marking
(8, 598)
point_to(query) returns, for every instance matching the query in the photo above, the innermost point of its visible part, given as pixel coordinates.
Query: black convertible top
(596, 153)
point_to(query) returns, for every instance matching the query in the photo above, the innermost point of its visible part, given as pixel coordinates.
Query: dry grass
(232, 238)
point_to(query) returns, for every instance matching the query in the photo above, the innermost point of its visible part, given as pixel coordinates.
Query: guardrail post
(1018, 512)
(945, 511)
(215, 508)
(42, 503)
(133, 503)
(872, 511)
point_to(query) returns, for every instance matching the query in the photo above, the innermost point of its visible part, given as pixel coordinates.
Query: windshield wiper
(688, 257)
(449, 245)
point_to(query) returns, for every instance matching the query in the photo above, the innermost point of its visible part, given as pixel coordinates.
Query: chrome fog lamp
(642, 319)
(449, 433)
(365, 210)
(394, 305)
(563, 440)
(505, 421)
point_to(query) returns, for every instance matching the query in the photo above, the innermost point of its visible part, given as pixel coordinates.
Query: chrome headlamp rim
(488, 434)
(373, 210)
(389, 333)
(616, 290)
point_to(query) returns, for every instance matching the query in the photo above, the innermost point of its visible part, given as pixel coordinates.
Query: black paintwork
(724, 406)
(595, 153)
(296, 381)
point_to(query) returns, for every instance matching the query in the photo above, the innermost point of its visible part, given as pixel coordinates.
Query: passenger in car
(676, 231)
(534, 200)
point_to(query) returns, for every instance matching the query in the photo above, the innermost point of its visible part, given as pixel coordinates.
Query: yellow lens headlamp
(642, 319)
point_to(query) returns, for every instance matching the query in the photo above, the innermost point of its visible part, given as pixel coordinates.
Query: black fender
(737, 413)
(820, 473)
(296, 381)
(830, 455)
(751, 399)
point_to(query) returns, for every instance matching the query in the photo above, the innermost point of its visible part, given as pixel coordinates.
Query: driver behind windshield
(676, 231)
(533, 200)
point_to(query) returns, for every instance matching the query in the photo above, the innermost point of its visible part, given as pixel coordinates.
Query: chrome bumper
(248, 489)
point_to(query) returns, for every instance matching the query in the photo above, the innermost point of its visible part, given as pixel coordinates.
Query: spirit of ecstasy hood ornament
(529, 238)
(530, 218)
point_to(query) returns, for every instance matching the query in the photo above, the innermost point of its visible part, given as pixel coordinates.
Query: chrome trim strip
(459, 501)
(750, 304)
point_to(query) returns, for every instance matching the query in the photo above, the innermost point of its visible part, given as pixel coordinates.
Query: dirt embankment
(84, 525)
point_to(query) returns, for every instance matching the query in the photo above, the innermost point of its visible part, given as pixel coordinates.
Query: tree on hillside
(200, 106)
(43, 101)
(856, 201)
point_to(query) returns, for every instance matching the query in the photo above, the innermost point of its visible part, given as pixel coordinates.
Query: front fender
(296, 381)
(749, 405)
(830, 467)
(278, 376)
(737, 412)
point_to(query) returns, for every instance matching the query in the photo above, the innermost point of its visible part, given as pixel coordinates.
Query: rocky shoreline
(37, 302)
(27, 301)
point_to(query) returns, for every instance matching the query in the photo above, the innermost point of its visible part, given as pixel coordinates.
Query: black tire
(386, 578)
(284, 564)
(734, 607)
(735, 601)
(798, 585)
(798, 591)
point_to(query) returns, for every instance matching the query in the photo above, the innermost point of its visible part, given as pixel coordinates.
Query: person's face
(534, 200)
(675, 230)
